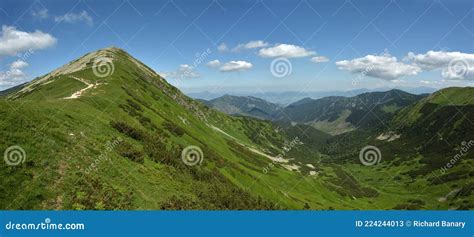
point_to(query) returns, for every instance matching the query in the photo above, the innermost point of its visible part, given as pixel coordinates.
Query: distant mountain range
(244, 105)
(105, 131)
(288, 97)
(333, 114)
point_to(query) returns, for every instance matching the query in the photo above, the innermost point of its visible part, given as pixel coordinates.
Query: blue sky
(312, 45)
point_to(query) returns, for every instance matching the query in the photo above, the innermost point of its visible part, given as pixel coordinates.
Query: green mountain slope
(429, 142)
(336, 114)
(438, 124)
(67, 120)
(107, 132)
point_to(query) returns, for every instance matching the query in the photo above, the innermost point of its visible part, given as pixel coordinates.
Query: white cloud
(454, 65)
(233, 66)
(184, 71)
(18, 64)
(434, 83)
(460, 71)
(398, 81)
(285, 50)
(319, 59)
(379, 66)
(40, 14)
(438, 59)
(14, 74)
(75, 17)
(251, 45)
(213, 63)
(222, 48)
(13, 41)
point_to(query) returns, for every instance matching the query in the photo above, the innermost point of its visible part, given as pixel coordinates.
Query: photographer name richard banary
(455, 224)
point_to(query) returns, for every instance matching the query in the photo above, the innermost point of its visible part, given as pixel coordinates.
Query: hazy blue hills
(287, 97)
(240, 105)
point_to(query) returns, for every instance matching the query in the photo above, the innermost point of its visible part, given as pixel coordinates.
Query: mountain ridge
(332, 114)
(247, 106)
(285, 98)
(120, 145)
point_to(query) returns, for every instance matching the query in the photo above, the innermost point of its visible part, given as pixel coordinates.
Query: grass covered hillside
(106, 132)
(439, 124)
(432, 139)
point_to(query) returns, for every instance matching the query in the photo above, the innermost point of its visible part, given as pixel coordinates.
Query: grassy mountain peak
(453, 96)
(106, 132)
(102, 62)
